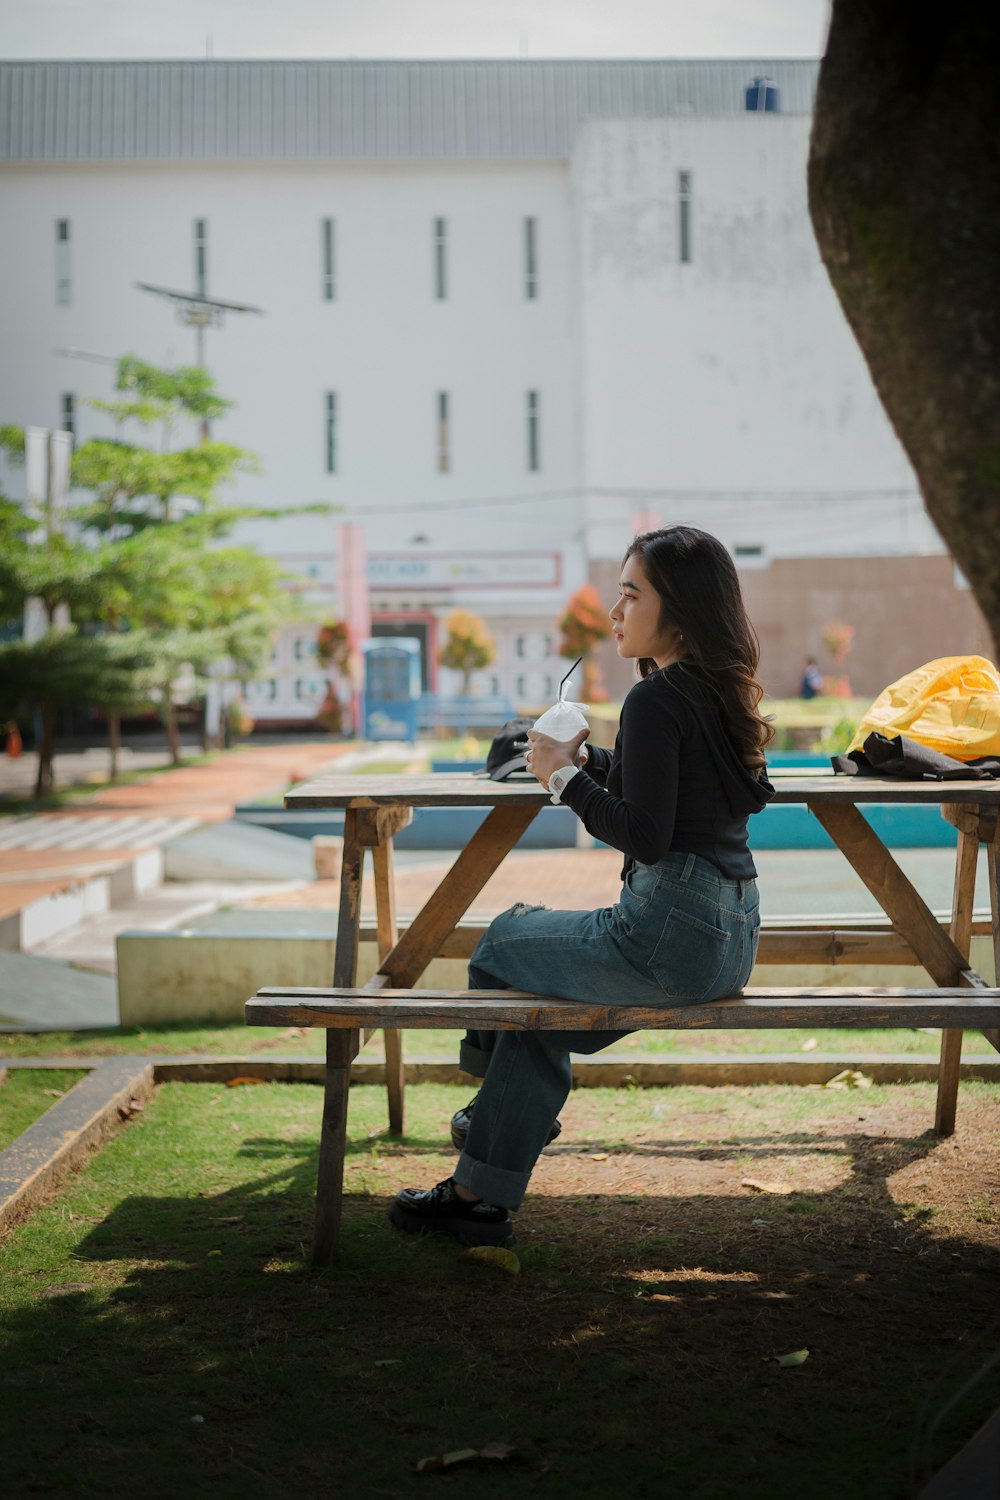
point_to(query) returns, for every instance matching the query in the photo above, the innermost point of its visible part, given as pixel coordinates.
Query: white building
(511, 309)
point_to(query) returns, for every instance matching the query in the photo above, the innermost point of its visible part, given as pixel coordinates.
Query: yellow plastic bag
(952, 705)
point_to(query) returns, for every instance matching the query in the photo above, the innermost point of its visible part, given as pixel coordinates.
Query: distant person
(812, 679)
(674, 796)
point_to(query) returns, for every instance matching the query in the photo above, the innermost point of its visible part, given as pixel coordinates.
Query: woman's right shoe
(460, 1126)
(440, 1210)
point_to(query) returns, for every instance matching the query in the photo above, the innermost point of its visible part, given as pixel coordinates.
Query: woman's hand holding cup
(545, 755)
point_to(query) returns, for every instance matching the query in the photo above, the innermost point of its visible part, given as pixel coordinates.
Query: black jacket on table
(674, 782)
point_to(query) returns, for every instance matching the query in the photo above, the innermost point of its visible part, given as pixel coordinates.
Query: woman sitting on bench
(674, 796)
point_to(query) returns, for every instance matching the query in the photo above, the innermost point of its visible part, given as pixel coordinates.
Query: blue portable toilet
(392, 687)
(762, 97)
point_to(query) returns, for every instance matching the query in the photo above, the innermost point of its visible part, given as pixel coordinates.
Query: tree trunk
(170, 725)
(114, 744)
(45, 781)
(904, 191)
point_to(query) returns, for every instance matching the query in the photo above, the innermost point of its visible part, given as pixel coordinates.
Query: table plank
(462, 789)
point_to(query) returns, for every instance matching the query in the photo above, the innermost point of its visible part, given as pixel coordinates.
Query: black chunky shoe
(442, 1211)
(460, 1126)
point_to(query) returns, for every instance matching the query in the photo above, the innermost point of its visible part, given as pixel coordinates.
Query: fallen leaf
(215, 1252)
(759, 1186)
(810, 1045)
(493, 1255)
(439, 1461)
(788, 1361)
(133, 1107)
(598, 1156)
(54, 1093)
(446, 1460)
(850, 1078)
(234, 1083)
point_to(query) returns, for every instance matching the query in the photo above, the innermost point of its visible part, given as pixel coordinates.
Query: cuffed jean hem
(493, 1184)
(472, 1059)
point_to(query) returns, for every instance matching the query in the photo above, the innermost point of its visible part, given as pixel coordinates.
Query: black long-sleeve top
(674, 781)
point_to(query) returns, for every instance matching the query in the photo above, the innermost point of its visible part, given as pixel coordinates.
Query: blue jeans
(679, 934)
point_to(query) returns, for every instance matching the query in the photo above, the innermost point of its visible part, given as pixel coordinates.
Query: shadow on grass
(633, 1355)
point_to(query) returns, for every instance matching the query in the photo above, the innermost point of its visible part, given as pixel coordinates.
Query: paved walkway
(43, 855)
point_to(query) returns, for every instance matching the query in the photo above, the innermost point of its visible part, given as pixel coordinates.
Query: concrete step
(41, 994)
(92, 944)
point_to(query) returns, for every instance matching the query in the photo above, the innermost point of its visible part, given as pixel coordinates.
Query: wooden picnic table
(376, 807)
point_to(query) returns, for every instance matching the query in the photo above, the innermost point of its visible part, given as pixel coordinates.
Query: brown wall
(905, 611)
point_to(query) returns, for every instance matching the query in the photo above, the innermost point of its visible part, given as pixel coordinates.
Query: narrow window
(69, 414)
(201, 257)
(443, 434)
(331, 432)
(684, 212)
(64, 289)
(531, 259)
(329, 282)
(534, 460)
(519, 645)
(440, 260)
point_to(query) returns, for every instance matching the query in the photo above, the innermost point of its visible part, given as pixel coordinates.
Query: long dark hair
(699, 591)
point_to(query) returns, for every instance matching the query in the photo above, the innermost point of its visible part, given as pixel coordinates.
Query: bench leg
(949, 1070)
(388, 936)
(962, 902)
(341, 1048)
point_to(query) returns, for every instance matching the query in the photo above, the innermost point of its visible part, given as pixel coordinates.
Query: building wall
(727, 392)
(385, 345)
(905, 611)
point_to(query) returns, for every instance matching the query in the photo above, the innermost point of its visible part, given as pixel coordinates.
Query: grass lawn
(239, 1039)
(160, 1329)
(27, 1093)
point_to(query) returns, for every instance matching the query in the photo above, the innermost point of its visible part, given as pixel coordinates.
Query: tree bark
(45, 781)
(114, 744)
(904, 192)
(170, 725)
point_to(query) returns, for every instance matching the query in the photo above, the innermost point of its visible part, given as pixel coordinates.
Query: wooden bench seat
(349, 1015)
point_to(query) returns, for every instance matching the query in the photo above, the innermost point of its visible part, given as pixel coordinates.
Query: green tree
(146, 551)
(66, 667)
(468, 645)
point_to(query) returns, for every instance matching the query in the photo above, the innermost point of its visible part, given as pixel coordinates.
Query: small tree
(144, 551)
(468, 646)
(838, 639)
(333, 651)
(66, 667)
(584, 625)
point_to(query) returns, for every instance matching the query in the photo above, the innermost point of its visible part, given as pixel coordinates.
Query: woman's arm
(641, 821)
(598, 763)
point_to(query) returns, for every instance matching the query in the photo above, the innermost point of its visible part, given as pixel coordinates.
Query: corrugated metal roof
(350, 111)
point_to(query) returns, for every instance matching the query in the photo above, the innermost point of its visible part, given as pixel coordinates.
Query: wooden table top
(464, 789)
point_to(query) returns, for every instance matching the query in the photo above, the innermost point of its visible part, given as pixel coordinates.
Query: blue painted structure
(391, 687)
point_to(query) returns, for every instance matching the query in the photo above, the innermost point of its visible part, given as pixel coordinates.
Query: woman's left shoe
(441, 1211)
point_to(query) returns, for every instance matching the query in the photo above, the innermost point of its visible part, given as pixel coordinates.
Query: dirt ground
(721, 1229)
